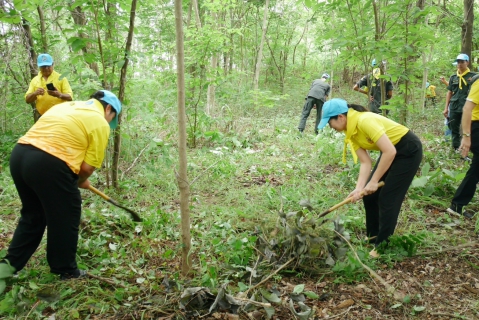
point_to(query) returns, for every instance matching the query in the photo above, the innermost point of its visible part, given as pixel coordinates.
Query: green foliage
(7, 141)
(350, 269)
(433, 183)
(400, 246)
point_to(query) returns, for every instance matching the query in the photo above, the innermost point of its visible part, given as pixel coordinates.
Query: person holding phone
(48, 88)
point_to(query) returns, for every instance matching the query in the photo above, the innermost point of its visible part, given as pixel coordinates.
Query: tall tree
(80, 20)
(467, 29)
(182, 176)
(261, 45)
(121, 95)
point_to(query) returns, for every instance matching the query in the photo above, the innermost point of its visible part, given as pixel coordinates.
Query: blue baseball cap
(332, 108)
(462, 56)
(373, 63)
(44, 59)
(325, 76)
(113, 101)
(427, 84)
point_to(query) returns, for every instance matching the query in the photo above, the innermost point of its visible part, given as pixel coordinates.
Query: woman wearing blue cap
(400, 157)
(48, 88)
(48, 165)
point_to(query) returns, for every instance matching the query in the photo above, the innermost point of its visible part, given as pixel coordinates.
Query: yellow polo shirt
(46, 101)
(365, 128)
(431, 91)
(474, 98)
(74, 132)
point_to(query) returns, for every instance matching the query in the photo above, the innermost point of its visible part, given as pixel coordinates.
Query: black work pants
(455, 119)
(467, 188)
(308, 106)
(383, 206)
(50, 197)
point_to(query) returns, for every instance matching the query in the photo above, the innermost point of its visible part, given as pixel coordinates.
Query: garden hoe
(133, 214)
(347, 200)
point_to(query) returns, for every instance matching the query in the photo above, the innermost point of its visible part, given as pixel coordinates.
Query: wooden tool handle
(347, 200)
(380, 184)
(98, 192)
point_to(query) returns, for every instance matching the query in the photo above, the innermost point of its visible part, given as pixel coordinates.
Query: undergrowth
(249, 176)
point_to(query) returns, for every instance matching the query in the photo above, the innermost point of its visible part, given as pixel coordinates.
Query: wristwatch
(466, 134)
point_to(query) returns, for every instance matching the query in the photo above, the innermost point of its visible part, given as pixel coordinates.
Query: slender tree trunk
(182, 177)
(102, 55)
(121, 95)
(196, 11)
(32, 57)
(299, 41)
(467, 29)
(79, 19)
(32, 61)
(210, 93)
(42, 29)
(260, 51)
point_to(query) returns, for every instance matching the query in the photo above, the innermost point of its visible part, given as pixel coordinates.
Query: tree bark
(121, 96)
(467, 29)
(210, 93)
(32, 61)
(43, 29)
(79, 19)
(182, 177)
(260, 50)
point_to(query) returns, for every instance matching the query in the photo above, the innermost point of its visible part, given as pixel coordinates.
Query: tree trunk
(260, 50)
(79, 19)
(210, 93)
(121, 96)
(467, 29)
(43, 29)
(182, 177)
(32, 61)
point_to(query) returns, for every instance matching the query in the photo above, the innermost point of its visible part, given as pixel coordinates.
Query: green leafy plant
(399, 246)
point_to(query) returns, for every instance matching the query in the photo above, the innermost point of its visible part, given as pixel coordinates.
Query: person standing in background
(48, 88)
(430, 94)
(317, 95)
(458, 89)
(373, 83)
(469, 142)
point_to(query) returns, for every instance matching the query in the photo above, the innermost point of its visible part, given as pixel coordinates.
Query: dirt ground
(440, 286)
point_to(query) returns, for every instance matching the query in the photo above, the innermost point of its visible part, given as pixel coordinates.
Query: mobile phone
(50, 86)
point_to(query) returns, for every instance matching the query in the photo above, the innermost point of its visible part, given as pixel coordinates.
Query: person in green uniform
(469, 142)
(458, 89)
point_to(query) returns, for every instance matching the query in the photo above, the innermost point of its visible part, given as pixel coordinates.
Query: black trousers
(383, 206)
(467, 188)
(50, 197)
(455, 119)
(308, 106)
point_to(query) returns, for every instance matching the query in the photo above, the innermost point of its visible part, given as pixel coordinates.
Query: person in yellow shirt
(400, 157)
(470, 142)
(39, 91)
(48, 165)
(430, 94)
